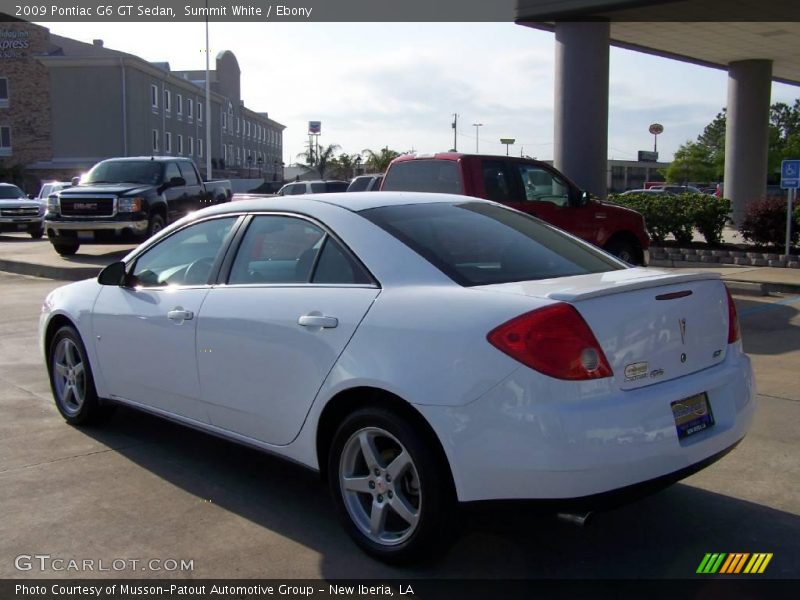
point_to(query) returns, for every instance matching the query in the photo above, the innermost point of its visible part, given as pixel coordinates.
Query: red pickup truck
(530, 186)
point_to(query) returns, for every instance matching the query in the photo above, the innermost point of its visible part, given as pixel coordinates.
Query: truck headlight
(129, 205)
(53, 204)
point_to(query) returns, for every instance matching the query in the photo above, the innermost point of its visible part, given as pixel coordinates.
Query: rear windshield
(475, 243)
(423, 176)
(359, 184)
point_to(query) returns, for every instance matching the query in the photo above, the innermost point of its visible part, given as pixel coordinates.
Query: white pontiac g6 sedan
(419, 350)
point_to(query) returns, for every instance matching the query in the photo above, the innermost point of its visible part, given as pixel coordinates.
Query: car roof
(353, 201)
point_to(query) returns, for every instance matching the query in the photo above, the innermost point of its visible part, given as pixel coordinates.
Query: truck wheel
(37, 233)
(155, 224)
(66, 248)
(625, 250)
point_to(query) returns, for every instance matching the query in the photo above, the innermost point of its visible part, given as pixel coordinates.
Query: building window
(3, 92)
(154, 96)
(238, 156)
(155, 140)
(5, 141)
(179, 105)
(199, 147)
(224, 121)
(190, 109)
(168, 142)
(180, 145)
(191, 146)
(237, 126)
(199, 113)
(167, 101)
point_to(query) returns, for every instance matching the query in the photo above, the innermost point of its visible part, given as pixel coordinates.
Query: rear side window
(336, 186)
(424, 176)
(189, 174)
(318, 188)
(475, 243)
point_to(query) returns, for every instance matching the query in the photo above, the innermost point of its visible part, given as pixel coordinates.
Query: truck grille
(87, 207)
(31, 211)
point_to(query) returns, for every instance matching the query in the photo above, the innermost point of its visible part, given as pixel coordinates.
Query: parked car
(366, 183)
(128, 196)
(20, 213)
(528, 185)
(419, 350)
(678, 189)
(647, 192)
(313, 187)
(51, 187)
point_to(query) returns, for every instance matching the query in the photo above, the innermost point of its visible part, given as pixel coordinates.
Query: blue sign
(790, 174)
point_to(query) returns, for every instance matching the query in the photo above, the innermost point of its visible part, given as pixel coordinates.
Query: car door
(145, 333)
(175, 195)
(268, 338)
(194, 189)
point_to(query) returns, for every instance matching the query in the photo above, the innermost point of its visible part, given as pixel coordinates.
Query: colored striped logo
(734, 563)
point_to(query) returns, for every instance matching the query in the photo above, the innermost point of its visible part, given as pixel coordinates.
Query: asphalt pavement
(140, 488)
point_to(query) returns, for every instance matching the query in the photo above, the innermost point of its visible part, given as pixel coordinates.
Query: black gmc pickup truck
(128, 197)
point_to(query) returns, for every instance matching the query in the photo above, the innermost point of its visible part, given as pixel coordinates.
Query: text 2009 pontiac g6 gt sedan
(418, 349)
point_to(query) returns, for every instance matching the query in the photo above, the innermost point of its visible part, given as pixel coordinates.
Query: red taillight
(554, 340)
(733, 319)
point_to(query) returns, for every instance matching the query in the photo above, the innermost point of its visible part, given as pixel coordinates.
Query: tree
(343, 166)
(692, 162)
(378, 162)
(321, 161)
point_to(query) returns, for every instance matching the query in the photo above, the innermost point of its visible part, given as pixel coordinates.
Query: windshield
(8, 192)
(476, 243)
(128, 171)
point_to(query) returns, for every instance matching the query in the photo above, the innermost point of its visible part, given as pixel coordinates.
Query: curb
(761, 288)
(49, 272)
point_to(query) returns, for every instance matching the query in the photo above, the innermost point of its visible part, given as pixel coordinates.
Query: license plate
(692, 415)
(86, 234)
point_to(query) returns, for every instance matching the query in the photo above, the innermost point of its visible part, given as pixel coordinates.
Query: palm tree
(344, 165)
(378, 162)
(319, 162)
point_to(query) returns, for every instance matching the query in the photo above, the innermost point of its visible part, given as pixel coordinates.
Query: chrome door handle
(318, 321)
(179, 314)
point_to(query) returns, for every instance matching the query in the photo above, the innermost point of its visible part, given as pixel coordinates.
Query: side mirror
(75, 180)
(177, 182)
(585, 197)
(31, 196)
(113, 274)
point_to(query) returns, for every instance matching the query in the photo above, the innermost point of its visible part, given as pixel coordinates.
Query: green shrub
(765, 223)
(709, 215)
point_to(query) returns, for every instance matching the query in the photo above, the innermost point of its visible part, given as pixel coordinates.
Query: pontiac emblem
(682, 323)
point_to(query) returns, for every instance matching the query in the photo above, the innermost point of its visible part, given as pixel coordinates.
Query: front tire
(71, 379)
(392, 494)
(155, 224)
(37, 233)
(66, 247)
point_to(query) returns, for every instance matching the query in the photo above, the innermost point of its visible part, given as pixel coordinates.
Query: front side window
(184, 258)
(286, 250)
(541, 185)
(477, 243)
(188, 173)
(171, 170)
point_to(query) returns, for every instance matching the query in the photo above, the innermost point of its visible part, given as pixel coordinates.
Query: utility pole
(476, 125)
(207, 123)
(455, 132)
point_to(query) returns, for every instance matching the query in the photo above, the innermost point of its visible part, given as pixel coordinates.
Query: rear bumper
(533, 437)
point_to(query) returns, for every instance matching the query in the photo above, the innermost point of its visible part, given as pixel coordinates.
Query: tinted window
(128, 171)
(336, 186)
(541, 185)
(476, 243)
(335, 266)
(294, 189)
(188, 173)
(359, 184)
(11, 191)
(277, 249)
(184, 258)
(171, 171)
(424, 176)
(498, 181)
(318, 187)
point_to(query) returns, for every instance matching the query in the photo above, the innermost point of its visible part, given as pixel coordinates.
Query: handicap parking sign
(790, 174)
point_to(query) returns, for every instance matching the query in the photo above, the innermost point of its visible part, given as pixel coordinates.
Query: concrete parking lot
(140, 488)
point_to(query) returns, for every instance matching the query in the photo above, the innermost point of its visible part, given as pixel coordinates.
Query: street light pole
(207, 123)
(476, 125)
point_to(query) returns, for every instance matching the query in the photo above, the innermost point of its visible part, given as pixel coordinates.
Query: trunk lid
(652, 325)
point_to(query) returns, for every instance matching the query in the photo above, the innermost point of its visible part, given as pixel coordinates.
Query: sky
(398, 84)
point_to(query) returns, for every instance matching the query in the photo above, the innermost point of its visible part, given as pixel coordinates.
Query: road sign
(790, 174)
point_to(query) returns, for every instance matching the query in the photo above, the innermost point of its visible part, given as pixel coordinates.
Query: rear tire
(66, 248)
(392, 494)
(625, 250)
(71, 380)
